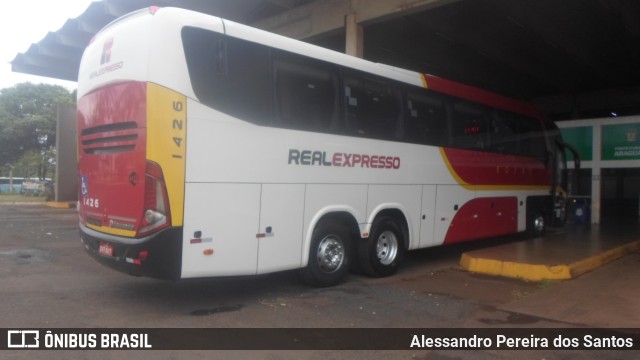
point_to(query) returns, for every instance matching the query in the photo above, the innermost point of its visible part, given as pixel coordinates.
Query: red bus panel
(112, 154)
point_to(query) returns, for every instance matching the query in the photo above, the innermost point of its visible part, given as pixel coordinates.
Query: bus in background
(209, 148)
(11, 185)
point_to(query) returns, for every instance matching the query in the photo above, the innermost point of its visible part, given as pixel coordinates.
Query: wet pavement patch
(27, 256)
(502, 317)
(511, 319)
(216, 310)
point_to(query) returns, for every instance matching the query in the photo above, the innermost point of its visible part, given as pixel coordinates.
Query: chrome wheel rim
(387, 247)
(538, 224)
(330, 253)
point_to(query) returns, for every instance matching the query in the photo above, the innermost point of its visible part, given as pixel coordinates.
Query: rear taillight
(156, 213)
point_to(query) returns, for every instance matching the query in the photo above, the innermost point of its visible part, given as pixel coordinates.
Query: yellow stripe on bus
(454, 173)
(424, 80)
(166, 142)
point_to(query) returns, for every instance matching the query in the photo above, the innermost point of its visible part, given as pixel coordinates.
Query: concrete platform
(560, 255)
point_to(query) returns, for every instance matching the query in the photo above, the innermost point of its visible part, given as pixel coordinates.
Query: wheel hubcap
(538, 223)
(387, 247)
(330, 254)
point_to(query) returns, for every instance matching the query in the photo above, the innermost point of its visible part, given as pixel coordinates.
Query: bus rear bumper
(157, 256)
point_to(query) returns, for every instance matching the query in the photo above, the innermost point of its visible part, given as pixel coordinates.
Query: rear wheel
(383, 251)
(536, 225)
(328, 256)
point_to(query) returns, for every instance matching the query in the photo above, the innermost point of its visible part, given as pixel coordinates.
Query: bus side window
(229, 74)
(470, 126)
(372, 109)
(516, 134)
(504, 133)
(305, 94)
(425, 119)
(532, 139)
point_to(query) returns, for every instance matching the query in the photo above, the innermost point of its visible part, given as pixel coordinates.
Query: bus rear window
(229, 74)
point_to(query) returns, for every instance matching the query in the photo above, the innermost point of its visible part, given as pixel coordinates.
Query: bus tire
(536, 225)
(382, 252)
(328, 255)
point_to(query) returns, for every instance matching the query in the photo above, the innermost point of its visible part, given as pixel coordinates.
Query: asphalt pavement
(47, 281)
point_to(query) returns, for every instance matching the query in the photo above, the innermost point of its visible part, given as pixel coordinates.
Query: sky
(28, 21)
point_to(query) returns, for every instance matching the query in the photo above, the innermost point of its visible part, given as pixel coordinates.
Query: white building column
(354, 36)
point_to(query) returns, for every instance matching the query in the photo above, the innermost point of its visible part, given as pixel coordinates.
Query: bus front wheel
(328, 256)
(382, 252)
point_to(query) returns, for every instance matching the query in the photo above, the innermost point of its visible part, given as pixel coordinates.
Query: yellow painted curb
(536, 272)
(515, 270)
(580, 267)
(61, 204)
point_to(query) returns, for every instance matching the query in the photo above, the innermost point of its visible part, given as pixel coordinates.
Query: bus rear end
(131, 154)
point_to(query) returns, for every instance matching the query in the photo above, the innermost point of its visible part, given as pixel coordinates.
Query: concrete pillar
(66, 180)
(596, 175)
(596, 184)
(355, 36)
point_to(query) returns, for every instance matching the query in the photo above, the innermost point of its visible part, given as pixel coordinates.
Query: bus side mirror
(576, 157)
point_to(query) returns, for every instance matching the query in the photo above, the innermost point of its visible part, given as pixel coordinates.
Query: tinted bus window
(532, 140)
(229, 74)
(425, 119)
(505, 138)
(517, 135)
(372, 108)
(469, 126)
(306, 94)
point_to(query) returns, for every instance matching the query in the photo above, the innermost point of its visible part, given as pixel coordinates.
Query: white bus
(209, 148)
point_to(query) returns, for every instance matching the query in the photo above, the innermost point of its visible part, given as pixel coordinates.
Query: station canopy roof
(574, 58)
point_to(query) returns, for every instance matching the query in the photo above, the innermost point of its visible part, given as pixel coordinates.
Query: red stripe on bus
(482, 218)
(481, 96)
(482, 168)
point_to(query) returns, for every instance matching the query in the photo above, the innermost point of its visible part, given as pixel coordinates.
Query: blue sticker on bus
(84, 188)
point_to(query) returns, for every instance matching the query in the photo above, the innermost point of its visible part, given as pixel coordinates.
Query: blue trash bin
(581, 211)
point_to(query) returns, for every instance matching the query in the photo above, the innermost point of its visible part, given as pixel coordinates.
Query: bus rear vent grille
(109, 139)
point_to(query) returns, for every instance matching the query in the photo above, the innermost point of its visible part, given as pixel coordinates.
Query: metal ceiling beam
(56, 51)
(495, 39)
(45, 66)
(326, 16)
(285, 4)
(626, 11)
(608, 100)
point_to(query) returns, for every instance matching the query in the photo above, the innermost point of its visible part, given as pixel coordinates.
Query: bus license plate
(105, 249)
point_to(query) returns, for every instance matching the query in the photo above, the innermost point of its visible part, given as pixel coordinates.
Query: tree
(28, 126)
(35, 163)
